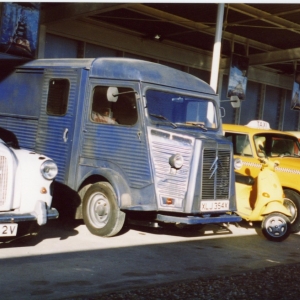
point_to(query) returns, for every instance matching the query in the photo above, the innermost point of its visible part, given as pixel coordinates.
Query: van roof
(127, 69)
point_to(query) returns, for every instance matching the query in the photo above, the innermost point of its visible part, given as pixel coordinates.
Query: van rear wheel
(292, 203)
(100, 210)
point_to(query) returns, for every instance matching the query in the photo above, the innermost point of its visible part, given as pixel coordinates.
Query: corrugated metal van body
(121, 148)
(55, 132)
(133, 158)
(20, 94)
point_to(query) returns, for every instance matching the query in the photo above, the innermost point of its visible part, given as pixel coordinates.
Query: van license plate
(8, 229)
(214, 205)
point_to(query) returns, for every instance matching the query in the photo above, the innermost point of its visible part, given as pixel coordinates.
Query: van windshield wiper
(164, 118)
(198, 124)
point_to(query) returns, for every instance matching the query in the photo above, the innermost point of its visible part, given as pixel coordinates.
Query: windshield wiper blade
(198, 124)
(164, 118)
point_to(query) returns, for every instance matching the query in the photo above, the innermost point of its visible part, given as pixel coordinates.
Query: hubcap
(99, 210)
(276, 226)
(291, 207)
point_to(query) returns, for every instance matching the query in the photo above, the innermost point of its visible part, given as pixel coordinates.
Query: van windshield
(177, 110)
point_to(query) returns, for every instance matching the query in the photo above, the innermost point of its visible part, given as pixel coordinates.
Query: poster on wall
(19, 26)
(238, 72)
(295, 103)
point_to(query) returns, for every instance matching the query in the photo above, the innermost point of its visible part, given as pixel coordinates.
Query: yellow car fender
(275, 206)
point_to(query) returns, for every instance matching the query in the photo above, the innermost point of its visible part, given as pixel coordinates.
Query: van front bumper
(192, 220)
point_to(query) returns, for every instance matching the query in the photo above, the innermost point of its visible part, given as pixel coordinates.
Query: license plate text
(8, 229)
(214, 205)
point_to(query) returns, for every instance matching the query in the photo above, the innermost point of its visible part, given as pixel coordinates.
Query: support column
(42, 41)
(282, 109)
(217, 48)
(261, 102)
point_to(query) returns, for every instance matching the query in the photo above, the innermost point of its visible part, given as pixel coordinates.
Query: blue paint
(133, 155)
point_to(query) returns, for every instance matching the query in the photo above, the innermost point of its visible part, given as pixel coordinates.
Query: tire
(276, 227)
(292, 203)
(100, 210)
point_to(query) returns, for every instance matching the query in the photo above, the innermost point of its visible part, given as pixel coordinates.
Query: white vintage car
(26, 184)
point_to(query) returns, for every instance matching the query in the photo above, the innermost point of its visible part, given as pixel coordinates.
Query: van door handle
(139, 133)
(65, 136)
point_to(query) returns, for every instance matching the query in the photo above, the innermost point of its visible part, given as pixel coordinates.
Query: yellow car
(255, 140)
(295, 133)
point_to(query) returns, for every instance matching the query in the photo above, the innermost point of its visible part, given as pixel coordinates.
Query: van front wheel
(100, 210)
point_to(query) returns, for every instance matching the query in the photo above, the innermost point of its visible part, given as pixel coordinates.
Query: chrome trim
(11, 217)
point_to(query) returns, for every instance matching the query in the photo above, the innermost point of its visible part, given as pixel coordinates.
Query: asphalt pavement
(65, 260)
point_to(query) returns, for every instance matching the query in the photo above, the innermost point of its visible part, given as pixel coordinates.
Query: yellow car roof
(251, 130)
(295, 133)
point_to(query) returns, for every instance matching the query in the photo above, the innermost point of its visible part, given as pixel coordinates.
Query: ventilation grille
(216, 174)
(3, 179)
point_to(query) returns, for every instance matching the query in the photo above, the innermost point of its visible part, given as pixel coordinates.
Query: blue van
(130, 137)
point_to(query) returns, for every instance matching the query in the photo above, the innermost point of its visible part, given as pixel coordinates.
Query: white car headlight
(176, 161)
(49, 169)
(238, 163)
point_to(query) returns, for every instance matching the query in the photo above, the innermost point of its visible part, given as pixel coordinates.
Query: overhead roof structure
(268, 33)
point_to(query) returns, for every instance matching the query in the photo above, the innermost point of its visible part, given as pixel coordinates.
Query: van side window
(114, 105)
(58, 94)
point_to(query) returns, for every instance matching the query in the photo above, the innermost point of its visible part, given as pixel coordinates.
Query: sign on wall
(19, 26)
(295, 103)
(237, 83)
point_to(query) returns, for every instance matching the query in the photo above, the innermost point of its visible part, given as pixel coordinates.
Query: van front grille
(216, 174)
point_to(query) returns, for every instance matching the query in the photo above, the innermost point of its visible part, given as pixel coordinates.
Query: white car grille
(3, 179)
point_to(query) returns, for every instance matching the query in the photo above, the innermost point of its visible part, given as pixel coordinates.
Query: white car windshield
(178, 110)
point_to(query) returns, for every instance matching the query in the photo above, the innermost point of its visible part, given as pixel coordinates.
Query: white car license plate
(214, 205)
(8, 229)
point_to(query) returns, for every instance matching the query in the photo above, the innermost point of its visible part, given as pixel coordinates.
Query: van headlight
(176, 161)
(49, 169)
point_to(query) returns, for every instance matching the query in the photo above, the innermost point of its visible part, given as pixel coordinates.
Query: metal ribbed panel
(24, 129)
(121, 146)
(170, 184)
(3, 179)
(51, 128)
(215, 185)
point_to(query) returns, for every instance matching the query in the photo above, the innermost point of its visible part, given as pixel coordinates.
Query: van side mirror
(234, 100)
(112, 94)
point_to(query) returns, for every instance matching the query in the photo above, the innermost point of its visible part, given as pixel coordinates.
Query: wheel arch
(285, 187)
(116, 180)
(275, 206)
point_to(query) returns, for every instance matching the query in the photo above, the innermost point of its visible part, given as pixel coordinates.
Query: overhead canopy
(268, 33)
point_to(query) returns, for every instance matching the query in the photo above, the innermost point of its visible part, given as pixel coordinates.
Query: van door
(57, 118)
(114, 135)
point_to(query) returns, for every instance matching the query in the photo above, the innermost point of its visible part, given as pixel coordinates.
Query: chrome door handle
(65, 136)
